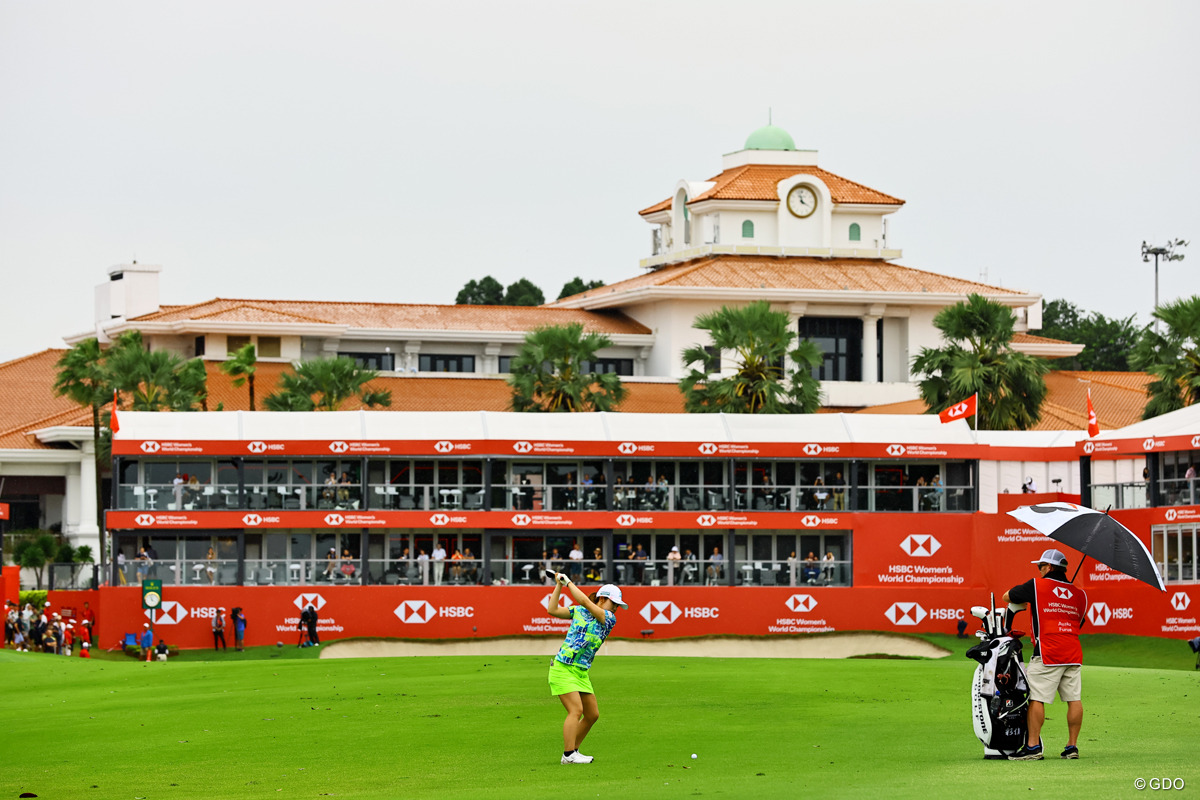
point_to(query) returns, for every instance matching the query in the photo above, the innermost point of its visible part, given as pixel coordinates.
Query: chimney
(130, 292)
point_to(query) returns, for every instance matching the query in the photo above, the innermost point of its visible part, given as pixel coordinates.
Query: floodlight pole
(1168, 254)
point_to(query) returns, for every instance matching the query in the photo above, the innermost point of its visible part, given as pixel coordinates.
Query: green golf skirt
(565, 679)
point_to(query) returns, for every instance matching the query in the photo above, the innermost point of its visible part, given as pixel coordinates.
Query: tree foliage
(242, 367)
(759, 342)
(487, 291)
(978, 357)
(578, 285)
(552, 372)
(1171, 357)
(155, 380)
(325, 384)
(1107, 342)
(523, 293)
(34, 550)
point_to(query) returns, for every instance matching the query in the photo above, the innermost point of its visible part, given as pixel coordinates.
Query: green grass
(252, 725)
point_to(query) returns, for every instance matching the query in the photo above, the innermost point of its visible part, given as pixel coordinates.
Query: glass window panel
(269, 346)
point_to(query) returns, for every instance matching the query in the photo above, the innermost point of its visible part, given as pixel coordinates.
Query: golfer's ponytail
(595, 597)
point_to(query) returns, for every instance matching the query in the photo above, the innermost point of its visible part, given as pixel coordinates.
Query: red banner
(3, 510)
(273, 613)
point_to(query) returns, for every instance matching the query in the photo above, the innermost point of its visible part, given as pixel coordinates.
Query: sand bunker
(829, 645)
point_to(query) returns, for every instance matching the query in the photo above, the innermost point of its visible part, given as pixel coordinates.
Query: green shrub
(35, 596)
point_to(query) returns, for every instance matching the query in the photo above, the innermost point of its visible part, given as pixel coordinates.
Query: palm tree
(82, 377)
(155, 379)
(324, 384)
(978, 357)
(759, 342)
(554, 372)
(1172, 357)
(241, 368)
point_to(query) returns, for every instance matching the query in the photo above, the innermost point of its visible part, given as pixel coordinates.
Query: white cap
(147, 625)
(1054, 557)
(675, 549)
(612, 593)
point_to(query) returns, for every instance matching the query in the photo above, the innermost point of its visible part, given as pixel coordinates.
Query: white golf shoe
(576, 758)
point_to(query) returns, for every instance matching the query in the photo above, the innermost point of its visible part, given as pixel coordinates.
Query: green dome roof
(770, 137)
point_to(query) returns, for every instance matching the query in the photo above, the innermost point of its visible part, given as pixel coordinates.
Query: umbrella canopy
(1094, 534)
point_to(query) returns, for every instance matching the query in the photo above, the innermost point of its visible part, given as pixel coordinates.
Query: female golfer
(592, 620)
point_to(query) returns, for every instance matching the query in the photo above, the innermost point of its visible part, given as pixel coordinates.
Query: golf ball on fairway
(693, 755)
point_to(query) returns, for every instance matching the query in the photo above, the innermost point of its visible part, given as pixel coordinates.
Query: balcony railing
(555, 497)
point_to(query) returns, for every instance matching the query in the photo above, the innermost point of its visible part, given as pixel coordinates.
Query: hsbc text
(702, 613)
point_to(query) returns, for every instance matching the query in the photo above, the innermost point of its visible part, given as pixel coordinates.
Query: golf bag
(999, 690)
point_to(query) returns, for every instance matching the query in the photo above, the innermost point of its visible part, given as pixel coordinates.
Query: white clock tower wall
(815, 231)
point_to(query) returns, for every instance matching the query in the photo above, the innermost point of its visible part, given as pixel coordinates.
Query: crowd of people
(43, 630)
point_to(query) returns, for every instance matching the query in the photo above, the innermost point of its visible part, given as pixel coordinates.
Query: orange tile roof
(759, 181)
(1118, 398)
(395, 316)
(1029, 338)
(802, 273)
(28, 402)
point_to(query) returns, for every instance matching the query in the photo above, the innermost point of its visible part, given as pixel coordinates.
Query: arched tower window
(855, 232)
(748, 229)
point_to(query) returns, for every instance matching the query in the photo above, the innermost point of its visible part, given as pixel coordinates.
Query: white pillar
(870, 351)
(87, 490)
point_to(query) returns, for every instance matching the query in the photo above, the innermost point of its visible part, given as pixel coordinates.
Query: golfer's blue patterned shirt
(585, 637)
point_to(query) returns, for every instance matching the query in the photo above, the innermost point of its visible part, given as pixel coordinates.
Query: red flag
(113, 425)
(1093, 423)
(960, 410)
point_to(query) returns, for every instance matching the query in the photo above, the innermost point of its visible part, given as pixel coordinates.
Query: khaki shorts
(1045, 681)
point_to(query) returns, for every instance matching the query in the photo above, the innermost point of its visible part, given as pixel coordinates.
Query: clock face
(802, 201)
(152, 599)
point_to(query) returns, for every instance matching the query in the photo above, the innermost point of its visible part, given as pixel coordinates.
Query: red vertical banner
(3, 510)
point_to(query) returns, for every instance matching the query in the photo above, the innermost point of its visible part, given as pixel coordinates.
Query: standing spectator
(673, 561)
(716, 565)
(211, 566)
(121, 566)
(87, 615)
(308, 618)
(456, 569)
(177, 491)
(330, 564)
(143, 564)
(239, 629)
(596, 566)
(576, 556)
(423, 565)
(147, 641)
(639, 568)
(160, 652)
(439, 562)
(838, 487)
(218, 630)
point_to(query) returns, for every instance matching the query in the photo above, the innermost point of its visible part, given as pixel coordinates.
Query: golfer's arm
(586, 601)
(554, 609)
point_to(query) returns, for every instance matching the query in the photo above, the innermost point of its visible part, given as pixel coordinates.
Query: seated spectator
(576, 567)
(811, 570)
(716, 566)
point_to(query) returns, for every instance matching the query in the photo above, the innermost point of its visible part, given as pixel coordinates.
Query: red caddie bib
(1060, 609)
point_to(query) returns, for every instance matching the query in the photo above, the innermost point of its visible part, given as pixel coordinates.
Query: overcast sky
(392, 151)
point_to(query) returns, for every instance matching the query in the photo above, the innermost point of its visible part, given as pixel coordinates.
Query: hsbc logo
(956, 411)
(660, 612)
(627, 448)
(1089, 447)
(810, 520)
(257, 447)
(1148, 444)
(523, 447)
(1062, 593)
(707, 449)
(252, 520)
(812, 449)
(338, 447)
(1098, 614)
(625, 520)
(1180, 601)
(415, 611)
(439, 519)
(150, 447)
(905, 613)
(801, 603)
(521, 519)
(1171, 514)
(706, 520)
(145, 520)
(334, 519)
(170, 613)
(896, 449)
(563, 602)
(444, 447)
(920, 546)
(303, 601)
(1196, 441)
